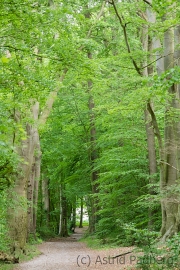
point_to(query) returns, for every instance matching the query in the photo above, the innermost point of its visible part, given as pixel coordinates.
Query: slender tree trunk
(30, 197)
(63, 230)
(93, 157)
(36, 183)
(152, 161)
(45, 199)
(81, 214)
(93, 151)
(60, 216)
(74, 215)
(151, 147)
(94, 173)
(88, 205)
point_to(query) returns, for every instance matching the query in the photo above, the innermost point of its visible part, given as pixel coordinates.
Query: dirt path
(69, 254)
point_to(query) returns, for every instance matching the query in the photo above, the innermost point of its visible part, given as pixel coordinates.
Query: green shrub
(129, 235)
(159, 257)
(105, 228)
(45, 232)
(4, 240)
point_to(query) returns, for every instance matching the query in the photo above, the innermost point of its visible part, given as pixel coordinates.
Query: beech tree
(169, 146)
(25, 67)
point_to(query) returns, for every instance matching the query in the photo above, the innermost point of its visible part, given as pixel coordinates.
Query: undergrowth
(31, 252)
(155, 254)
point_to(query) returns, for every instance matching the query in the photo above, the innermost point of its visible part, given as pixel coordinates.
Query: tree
(170, 150)
(30, 80)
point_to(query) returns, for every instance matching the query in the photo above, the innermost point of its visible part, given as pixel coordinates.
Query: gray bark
(17, 214)
(46, 199)
(147, 71)
(81, 214)
(63, 229)
(170, 202)
(33, 182)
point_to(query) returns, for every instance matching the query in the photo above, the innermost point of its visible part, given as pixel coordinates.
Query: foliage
(139, 237)
(31, 252)
(4, 243)
(8, 166)
(159, 256)
(40, 41)
(46, 232)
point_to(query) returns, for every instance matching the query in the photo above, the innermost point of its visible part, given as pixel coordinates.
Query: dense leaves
(86, 52)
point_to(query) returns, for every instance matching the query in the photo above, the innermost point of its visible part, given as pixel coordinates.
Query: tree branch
(98, 17)
(122, 254)
(156, 60)
(125, 37)
(31, 53)
(155, 125)
(79, 115)
(163, 162)
(147, 2)
(49, 103)
(101, 11)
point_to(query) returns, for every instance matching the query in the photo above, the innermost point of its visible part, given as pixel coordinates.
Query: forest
(90, 121)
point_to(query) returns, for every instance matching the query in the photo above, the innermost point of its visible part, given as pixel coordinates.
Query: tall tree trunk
(30, 197)
(170, 150)
(45, 199)
(93, 157)
(36, 182)
(20, 218)
(63, 230)
(152, 161)
(74, 215)
(93, 151)
(33, 182)
(17, 214)
(170, 203)
(81, 214)
(151, 147)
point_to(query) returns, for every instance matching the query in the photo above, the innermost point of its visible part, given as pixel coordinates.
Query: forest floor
(70, 254)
